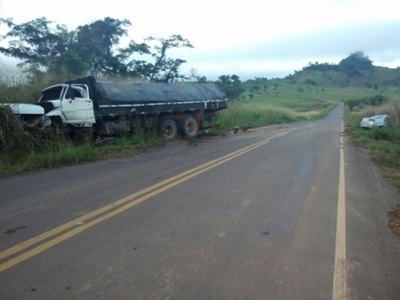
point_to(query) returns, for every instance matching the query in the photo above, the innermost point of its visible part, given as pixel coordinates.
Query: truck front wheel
(168, 129)
(189, 127)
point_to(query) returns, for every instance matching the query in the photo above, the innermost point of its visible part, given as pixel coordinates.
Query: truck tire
(189, 127)
(168, 129)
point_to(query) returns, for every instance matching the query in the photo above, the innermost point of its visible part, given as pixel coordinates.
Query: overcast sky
(248, 38)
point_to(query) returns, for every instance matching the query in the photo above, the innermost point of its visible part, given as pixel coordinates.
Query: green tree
(166, 69)
(355, 64)
(202, 79)
(96, 44)
(90, 49)
(39, 43)
(134, 66)
(231, 84)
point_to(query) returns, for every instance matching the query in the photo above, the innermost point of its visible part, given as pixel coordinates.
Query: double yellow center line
(42, 242)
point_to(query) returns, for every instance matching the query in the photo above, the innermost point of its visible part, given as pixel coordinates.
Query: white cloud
(256, 32)
(284, 55)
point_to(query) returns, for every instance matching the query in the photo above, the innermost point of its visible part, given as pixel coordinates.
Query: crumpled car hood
(24, 108)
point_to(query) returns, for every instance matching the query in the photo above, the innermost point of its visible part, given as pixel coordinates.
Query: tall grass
(266, 109)
(383, 144)
(253, 115)
(61, 151)
(13, 138)
(21, 150)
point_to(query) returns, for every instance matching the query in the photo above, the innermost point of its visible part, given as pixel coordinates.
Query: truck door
(77, 106)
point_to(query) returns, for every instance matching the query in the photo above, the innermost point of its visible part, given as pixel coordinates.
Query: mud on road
(394, 220)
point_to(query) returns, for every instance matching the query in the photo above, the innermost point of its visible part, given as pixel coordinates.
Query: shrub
(384, 133)
(13, 138)
(372, 100)
(394, 115)
(310, 82)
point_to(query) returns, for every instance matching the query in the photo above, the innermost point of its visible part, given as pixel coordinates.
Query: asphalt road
(283, 212)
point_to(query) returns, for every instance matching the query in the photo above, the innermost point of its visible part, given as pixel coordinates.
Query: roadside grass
(282, 105)
(382, 144)
(44, 152)
(129, 144)
(59, 154)
(245, 115)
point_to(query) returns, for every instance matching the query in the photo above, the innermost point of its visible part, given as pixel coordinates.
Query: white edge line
(339, 275)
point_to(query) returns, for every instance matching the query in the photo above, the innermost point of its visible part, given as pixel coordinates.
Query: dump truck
(110, 108)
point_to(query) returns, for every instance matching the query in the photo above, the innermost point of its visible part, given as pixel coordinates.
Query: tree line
(94, 48)
(45, 47)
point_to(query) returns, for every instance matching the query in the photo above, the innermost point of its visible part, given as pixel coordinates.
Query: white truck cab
(69, 104)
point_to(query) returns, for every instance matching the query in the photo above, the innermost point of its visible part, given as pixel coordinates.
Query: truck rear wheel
(189, 127)
(168, 129)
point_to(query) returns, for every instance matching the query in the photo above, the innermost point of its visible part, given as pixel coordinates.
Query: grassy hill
(373, 77)
(356, 70)
(355, 78)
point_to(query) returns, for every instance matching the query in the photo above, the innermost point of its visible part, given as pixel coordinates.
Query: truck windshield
(51, 94)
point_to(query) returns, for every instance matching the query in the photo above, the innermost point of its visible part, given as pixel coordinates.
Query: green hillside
(356, 70)
(354, 80)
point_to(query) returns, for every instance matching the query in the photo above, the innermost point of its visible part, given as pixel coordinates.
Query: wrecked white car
(375, 121)
(31, 115)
